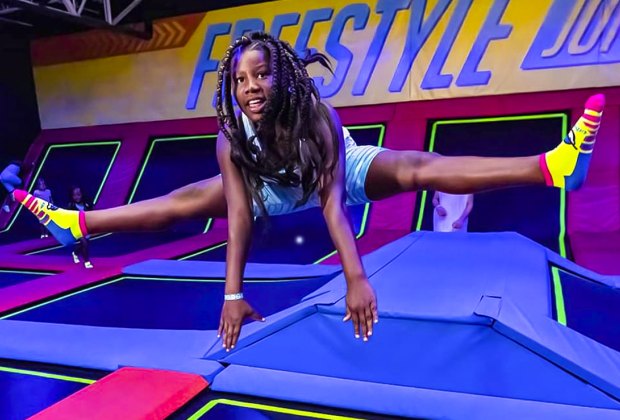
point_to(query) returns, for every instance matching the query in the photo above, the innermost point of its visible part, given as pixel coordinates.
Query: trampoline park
(517, 318)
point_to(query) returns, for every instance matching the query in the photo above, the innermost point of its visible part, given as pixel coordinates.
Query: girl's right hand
(441, 212)
(234, 312)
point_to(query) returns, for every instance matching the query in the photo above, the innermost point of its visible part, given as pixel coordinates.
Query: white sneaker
(42, 236)
(76, 259)
(88, 264)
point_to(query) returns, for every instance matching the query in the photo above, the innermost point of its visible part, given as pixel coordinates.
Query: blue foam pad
(217, 270)
(447, 356)
(444, 275)
(393, 400)
(108, 348)
(585, 358)
(373, 262)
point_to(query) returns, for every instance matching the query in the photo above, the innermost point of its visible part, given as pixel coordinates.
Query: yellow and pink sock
(567, 165)
(66, 226)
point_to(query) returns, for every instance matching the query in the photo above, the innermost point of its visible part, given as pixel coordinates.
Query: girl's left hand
(361, 308)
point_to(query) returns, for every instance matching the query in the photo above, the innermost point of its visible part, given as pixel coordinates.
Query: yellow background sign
(382, 51)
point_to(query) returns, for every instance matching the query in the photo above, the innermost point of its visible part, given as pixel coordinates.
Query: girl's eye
(239, 80)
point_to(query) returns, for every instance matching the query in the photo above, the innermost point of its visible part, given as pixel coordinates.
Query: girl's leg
(202, 199)
(566, 166)
(85, 253)
(199, 200)
(84, 249)
(77, 251)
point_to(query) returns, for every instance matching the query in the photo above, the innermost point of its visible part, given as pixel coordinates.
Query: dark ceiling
(30, 22)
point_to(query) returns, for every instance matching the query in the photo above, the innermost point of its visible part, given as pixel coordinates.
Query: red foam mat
(129, 393)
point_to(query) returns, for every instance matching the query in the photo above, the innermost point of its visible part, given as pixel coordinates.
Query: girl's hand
(441, 212)
(234, 312)
(361, 308)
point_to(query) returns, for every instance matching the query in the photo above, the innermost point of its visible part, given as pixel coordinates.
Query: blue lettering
(576, 33)
(388, 10)
(248, 25)
(280, 21)
(205, 64)
(359, 13)
(419, 31)
(433, 79)
(312, 16)
(492, 29)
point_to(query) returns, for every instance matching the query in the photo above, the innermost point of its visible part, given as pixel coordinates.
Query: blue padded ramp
(373, 262)
(217, 270)
(108, 348)
(395, 400)
(450, 322)
(412, 279)
(441, 355)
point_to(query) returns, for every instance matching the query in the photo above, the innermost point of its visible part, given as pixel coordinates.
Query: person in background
(43, 193)
(80, 203)
(451, 211)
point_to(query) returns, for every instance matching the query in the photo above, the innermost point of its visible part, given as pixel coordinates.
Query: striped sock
(567, 165)
(66, 226)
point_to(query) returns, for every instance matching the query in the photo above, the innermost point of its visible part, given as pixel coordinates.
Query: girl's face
(252, 82)
(77, 195)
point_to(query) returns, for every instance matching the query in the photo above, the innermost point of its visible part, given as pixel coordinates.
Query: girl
(45, 194)
(79, 203)
(451, 211)
(285, 150)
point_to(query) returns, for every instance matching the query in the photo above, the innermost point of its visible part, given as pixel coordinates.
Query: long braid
(289, 130)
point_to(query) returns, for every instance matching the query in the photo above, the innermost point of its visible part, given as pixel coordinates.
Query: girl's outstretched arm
(235, 308)
(361, 301)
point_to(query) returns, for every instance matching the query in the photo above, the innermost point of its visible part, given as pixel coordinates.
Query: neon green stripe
(107, 172)
(320, 260)
(562, 234)
(501, 119)
(199, 136)
(150, 152)
(83, 144)
(41, 273)
(58, 299)
(135, 185)
(364, 127)
(47, 375)
(208, 226)
(559, 296)
(209, 406)
(364, 219)
(204, 251)
(421, 210)
(148, 156)
(143, 278)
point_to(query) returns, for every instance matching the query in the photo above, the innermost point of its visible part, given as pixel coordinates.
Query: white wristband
(234, 296)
